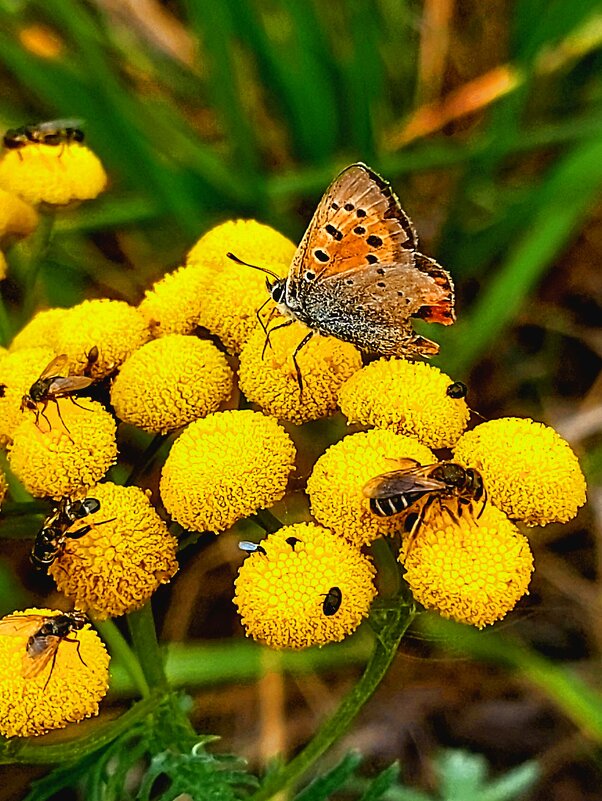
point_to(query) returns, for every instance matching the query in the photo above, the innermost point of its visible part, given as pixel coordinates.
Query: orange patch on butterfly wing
(439, 305)
(358, 222)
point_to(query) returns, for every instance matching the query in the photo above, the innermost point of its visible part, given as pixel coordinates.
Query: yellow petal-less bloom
(310, 587)
(34, 705)
(336, 484)
(407, 397)
(54, 174)
(325, 363)
(117, 566)
(470, 571)
(17, 218)
(114, 327)
(39, 331)
(53, 462)
(173, 304)
(232, 293)
(18, 371)
(226, 467)
(530, 472)
(170, 382)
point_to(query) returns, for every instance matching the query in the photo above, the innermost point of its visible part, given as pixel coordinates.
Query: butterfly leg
(269, 334)
(301, 344)
(263, 325)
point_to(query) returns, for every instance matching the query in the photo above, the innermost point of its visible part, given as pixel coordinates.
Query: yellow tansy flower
(170, 382)
(18, 371)
(3, 266)
(114, 327)
(470, 571)
(116, 567)
(232, 293)
(307, 587)
(52, 461)
(173, 304)
(226, 467)
(530, 472)
(407, 397)
(55, 174)
(65, 691)
(336, 484)
(17, 218)
(39, 331)
(325, 363)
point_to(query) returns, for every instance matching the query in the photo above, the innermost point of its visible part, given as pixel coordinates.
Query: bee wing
(24, 625)
(69, 384)
(38, 654)
(399, 482)
(56, 366)
(51, 125)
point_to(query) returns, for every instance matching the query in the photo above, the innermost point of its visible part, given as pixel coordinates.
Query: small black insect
(332, 601)
(457, 390)
(251, 547)
(54, 132)
(52, 385)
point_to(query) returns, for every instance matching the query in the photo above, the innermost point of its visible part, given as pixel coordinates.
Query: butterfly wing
(356, 274)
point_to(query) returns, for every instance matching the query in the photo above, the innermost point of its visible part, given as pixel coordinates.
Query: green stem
(119, 647)
(268, 522)
(37, 247)
(25, 751)
(6, 328)
(144, 638)
(390, 626)
(152, 449)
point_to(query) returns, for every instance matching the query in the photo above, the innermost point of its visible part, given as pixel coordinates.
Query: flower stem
(146, 646)
(36, 248)
(120, 648)
(147, 457)
(390, 625)
(268, 522)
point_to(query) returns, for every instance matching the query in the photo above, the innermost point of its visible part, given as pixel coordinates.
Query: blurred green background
(487, 119)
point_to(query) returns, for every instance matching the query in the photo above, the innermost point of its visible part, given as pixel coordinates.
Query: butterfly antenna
(254, 266)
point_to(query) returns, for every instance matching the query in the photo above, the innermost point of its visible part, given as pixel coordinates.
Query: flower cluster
(204, 344)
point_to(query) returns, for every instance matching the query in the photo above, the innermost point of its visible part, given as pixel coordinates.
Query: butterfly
(357, 274)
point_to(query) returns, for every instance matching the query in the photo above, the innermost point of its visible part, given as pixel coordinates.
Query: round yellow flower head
(55, 174)
(232, 293)
(530, 472)
(41, 693)
(170, 382)
(407, 397)
(226, 467)
(63, 454)
(40, 330)
(325, 363)
(336, 484)
(17, 218)
(305, 586)
(472, 571)
(118, 565)
(18, 371)
(173, 304)
(112, 326)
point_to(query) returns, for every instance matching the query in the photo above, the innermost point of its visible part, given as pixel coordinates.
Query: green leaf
(381, 784)
(322, 786)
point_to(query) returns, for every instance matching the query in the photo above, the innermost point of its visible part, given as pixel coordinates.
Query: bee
(54, 132)
(416, 487)
(332, 601)
(45, 634)
(52, 385)
(51, 538)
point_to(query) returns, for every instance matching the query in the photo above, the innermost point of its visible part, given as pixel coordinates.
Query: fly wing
(38, 654)
(57, 366)
(72, 383)
(24, 625)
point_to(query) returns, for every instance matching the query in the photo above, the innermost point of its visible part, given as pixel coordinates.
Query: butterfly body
(357, 276)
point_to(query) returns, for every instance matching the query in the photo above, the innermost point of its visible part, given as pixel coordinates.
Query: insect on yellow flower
(53, 671)
(304, 586)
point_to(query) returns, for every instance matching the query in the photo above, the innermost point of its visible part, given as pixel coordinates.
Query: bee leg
(420, 519)
(484, 503)
(301, 344)
(269, 335)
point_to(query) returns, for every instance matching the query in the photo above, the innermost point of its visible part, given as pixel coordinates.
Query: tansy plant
(191, 366)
